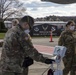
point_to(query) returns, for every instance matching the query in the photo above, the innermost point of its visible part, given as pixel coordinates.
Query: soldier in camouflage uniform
(14, 22)
(74, 65)
(66, 39)
(16, 47)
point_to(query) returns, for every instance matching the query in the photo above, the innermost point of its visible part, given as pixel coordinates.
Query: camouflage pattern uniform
(66, 39)
(74, 35)
(15, 49)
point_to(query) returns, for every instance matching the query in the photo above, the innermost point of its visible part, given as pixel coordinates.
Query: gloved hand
(27, 62)
(49, 61)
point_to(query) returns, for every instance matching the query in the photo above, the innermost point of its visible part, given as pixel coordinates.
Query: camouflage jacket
(66, 39)
(15, 48)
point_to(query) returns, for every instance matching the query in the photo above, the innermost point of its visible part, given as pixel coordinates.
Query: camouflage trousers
(25, 72)
(69, 65)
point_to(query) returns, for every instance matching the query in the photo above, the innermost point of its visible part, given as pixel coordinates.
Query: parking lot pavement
(45, 41)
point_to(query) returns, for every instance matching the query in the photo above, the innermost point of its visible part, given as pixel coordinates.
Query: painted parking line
(47, 50)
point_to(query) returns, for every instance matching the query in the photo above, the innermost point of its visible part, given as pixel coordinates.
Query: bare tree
(10, 7)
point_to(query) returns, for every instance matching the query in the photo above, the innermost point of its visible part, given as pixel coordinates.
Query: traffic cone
(51, 37)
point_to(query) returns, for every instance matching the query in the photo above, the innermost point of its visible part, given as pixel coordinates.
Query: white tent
(61, 1)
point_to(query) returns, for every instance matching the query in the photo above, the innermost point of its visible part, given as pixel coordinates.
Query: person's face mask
(27, 31)
(72, 27)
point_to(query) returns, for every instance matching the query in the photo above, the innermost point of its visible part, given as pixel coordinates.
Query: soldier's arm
(30, 50)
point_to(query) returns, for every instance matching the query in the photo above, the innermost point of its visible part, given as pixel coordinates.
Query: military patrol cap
(69, 22)
(28, 19)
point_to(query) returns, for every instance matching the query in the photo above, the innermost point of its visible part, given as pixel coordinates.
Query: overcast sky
(37, 8)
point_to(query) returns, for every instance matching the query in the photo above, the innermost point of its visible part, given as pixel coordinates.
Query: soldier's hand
(49, 61)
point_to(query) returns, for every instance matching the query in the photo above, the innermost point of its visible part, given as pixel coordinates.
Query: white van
(8, 24)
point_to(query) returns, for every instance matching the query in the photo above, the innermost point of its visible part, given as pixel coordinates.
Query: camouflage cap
(69, 22)
(28, 19)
